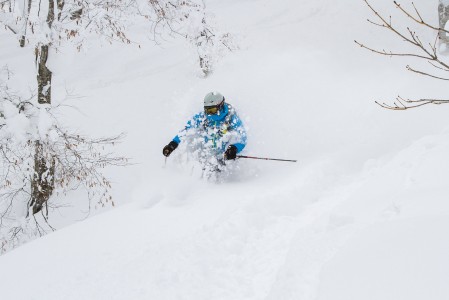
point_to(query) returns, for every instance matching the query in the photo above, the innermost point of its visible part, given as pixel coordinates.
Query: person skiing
(216, 134)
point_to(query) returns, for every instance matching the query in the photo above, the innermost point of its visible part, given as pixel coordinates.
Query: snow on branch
(76, 21)
(190, 19)
(75, 161)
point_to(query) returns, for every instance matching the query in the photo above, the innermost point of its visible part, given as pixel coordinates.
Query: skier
(215, 134)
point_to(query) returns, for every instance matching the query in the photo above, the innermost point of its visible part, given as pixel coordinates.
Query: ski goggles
(213, 110)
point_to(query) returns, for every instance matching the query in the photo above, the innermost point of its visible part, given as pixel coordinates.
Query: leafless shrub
(76, 161)
(421, 50)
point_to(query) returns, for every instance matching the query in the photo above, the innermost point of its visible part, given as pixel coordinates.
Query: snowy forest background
(90, 92)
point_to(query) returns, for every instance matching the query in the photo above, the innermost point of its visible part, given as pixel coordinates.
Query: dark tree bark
(60, 4)
(43, 179)
(44, 76)
(23, 37)
(42, 184)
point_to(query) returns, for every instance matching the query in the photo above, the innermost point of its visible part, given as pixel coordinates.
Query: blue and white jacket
(218, 131)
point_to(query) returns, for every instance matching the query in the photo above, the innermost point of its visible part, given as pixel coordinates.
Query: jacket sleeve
(239, 133)
(194, 122)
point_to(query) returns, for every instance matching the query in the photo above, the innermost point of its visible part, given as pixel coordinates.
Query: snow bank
(361, 216)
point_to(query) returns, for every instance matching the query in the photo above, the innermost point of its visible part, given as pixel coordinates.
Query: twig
(428, 53)
(421, 20)
(408, 104)
(425, 74)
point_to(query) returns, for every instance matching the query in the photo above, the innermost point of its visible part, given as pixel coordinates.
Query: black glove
(231, 152)
(169, 148)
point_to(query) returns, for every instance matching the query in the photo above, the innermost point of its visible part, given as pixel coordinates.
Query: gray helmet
(213, 99)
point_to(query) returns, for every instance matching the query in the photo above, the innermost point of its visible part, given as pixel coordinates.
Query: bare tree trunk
(443, 15)
(23, 37)
(43, 178)
(42, 184)
(44, 76)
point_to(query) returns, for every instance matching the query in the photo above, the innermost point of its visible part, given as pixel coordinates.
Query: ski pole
(265, 158)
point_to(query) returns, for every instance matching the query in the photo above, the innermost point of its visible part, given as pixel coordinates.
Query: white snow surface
(362, 215)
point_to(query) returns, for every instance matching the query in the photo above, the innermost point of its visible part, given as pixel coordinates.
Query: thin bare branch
(12, 29)
(438, 67)
(384, 52)
(418, 20)
(424, 51)
(425, 74)
(405, 104)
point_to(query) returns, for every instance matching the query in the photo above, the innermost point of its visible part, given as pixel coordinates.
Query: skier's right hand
(169, 148)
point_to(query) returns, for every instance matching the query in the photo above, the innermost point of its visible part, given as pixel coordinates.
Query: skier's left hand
(231, 152)
(169, 148)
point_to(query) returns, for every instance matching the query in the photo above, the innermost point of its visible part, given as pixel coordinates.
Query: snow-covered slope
(363, 215)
